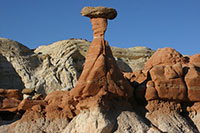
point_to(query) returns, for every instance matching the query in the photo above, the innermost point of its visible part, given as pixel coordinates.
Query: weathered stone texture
(56, 66)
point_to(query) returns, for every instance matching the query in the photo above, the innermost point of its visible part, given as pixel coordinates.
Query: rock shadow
(124, 67)
(185, 114)
(134, 115)
(9, 78)
(7, 117)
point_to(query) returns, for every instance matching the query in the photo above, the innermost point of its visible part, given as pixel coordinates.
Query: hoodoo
(165, 99)
(101, 75)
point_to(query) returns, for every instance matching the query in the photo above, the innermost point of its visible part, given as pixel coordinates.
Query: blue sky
(151, 23)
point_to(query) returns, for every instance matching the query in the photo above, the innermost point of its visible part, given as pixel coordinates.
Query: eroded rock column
(101, 75)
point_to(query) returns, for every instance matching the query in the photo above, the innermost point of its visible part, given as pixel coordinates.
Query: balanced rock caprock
(99, 12)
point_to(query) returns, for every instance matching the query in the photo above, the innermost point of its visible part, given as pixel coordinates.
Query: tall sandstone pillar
(101, 76)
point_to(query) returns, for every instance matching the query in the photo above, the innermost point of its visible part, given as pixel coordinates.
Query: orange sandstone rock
(165, 56)
(192, 79)
(195, 60)
(9, 99)
(168, 82)
(11, 93)
(138, 80)
(168, 76)
(9, 104)
(28, 104)
(101, 75)
(151, 92)
(100, 82)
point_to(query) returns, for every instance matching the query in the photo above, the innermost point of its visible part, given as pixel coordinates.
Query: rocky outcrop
(22, 59)
(166, 116)
(94, 121)
(56, 66)
(168, 76)
(9, 78)
(98, 98)
(170, 85)
(111, 121)
(163, 97)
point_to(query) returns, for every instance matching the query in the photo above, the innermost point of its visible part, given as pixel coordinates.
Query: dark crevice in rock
(123, 65)
(155, 127)
(140, 99)
(141, 111)
(185, 114)
(7, 117)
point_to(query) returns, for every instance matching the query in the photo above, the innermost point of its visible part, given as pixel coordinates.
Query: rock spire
(101, 75)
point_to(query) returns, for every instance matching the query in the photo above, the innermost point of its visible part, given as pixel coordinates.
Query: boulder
(168, 82)
(28, 91)
(165, 56)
